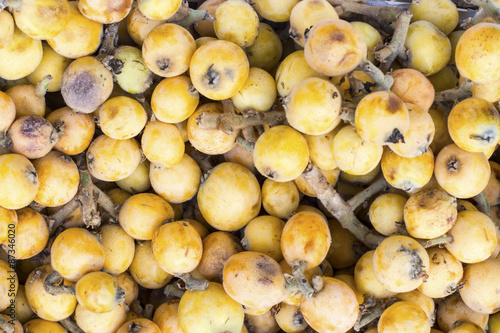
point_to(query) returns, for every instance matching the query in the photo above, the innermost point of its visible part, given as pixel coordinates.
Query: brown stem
(444, 239)
(477, 18)
(229, 123)
(5, 326)
(148, 311)
(185, 16)
(245, 144)
(136, 308)
(482, 204)
(54, 285)
(70, 326)
(465, 4)
(173, 291)
(109, 41)
(367, 193)
(490, 8)
(58, 218)
(460, 92)
(91, 195)
(367, 317)
(383, 14)
(340, 209)
(388, 53)
(383, 81)
(191, 282)
(298, 269)
(249, 134)
(36, 206)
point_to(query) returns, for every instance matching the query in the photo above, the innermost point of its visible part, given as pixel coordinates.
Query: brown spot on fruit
(394, 104)
(265, 280)
(31, 126)
(266, 266)
(337, 36)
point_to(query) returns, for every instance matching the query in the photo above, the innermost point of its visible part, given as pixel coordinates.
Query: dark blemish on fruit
(335, 95)
(212, 77)
(163, 64)
(395, 137)
(32, 126)
(337, 36)
(81, 91)
(266, 266)
(417, 265)
(394, 104)
(184, 224)
(265, 280)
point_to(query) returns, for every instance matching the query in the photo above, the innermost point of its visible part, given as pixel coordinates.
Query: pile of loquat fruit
(263, 166)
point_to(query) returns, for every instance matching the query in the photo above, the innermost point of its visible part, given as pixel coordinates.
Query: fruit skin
(143, 213)
(210, 310)
(333, 309)
(111, 160)
(430, 213)
(6, 27)
(230, 197)
(219, 69)
(45, 305)
(17, 64)
(254, 280)
(445, 272)
(106, 322)
(474, 125)
(167, 50)
(413, 87)
(42, 19)
(352, 154)
(281, 153)
(31, 234)
(177, 247)
(429, 47)
(477, 53)
(334, 47)
(305, 15)
(381, 117)
(313, 106)
(442, 13)
(400, 263)
(59, 179)
(98, 292)
(461, 173)
(236, 21)
(209, 141)
(404, 317)
(89, 35)
(276, 11)
(481, 282)
(474, 237)
(86, 84)
(18, 181)
(75, 252)
(306, 237)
